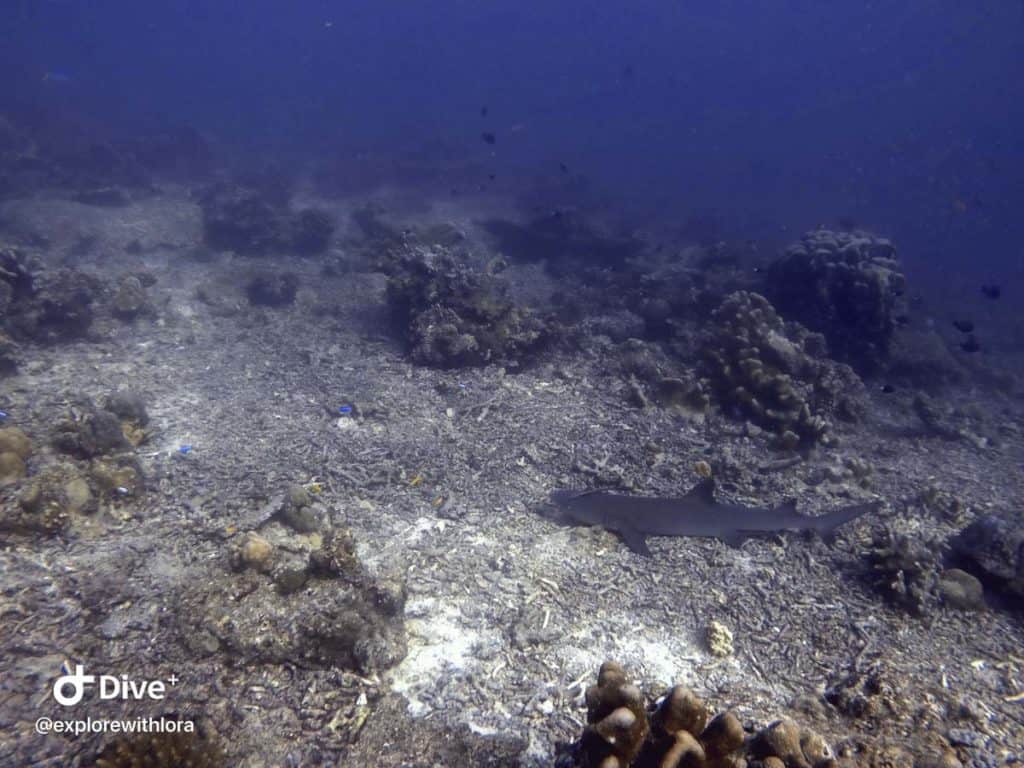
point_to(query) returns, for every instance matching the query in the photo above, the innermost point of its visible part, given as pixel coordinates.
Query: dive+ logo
(70, 687)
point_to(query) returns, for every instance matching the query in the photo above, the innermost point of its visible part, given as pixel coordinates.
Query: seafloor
(488, 620)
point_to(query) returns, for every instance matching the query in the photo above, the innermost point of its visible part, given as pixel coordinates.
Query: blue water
(763, 118)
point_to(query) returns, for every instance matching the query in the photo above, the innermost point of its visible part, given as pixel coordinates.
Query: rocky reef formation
(98, 466)
(297, 601)
(905, 570)
(249, 222)
(565, 240)
(452, 315)
(44, 306)
(845, 285)
(993, 547)
(272, 290)
(775, 373)
(677, 731)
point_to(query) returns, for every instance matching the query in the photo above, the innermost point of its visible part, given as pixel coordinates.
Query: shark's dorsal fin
(704, 491)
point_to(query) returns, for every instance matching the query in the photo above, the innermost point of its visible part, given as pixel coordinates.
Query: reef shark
(697, 513)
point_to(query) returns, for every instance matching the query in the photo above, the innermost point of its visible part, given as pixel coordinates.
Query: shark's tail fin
(828, 525)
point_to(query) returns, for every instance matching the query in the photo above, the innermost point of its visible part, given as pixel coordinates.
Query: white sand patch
(439, 644)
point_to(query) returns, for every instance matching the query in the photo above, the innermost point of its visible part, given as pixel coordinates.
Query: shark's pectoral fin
(635, 540)
(738, 537)
(734, 539)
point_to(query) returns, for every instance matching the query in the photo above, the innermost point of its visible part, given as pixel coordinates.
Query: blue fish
(56, 76)
(344, 409)
(3, 415)
(184, 449)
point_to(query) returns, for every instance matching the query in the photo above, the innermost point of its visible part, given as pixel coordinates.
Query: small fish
(971, 345)
(185, 449)
(489, 138)
(902, 319)
(3, 415)
(964, 326)
(991, 291)
(484, 110)
(563, 167)
(887, 389)
(121, 490)
(56, 76)
(344, 410)
(492, 176)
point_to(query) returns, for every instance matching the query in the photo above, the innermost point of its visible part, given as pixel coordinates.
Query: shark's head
(559, 506)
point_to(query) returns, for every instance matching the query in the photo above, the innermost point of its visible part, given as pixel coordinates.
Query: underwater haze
(768, 118)
(512, 384)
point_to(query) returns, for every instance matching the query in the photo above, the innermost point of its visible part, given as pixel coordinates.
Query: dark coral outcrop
(452, 315)
(845, 285)
(775, 373)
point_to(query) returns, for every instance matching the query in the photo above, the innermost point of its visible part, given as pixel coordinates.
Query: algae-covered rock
(993, 548)
(905, 570)
(130, 298)
(10, 354)
(272, 289)
(43, 505)
(846, 285)
(959, 589)
(13, 440)
(127, 406)
(453, 316)
(90, 432)
(274, 606)
(15, 448)
(12, 467)
(254, 221)
(311, 231)
(58, 309)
